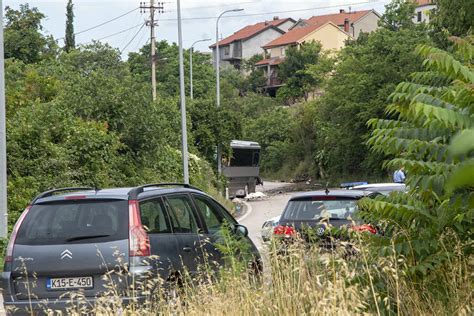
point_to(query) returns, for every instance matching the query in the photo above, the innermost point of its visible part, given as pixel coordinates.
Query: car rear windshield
(313, 209)
(75, 222)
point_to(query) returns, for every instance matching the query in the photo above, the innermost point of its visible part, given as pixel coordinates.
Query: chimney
(341, 11)
(275, 18)
(346, 25)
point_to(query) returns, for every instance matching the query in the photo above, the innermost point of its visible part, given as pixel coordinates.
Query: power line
(101, 24)
(274, 12)
(106, 22)
(140, 40)
(114, 34)
(134, 36)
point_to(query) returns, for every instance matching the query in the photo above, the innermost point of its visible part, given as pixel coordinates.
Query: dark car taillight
(139, 243)
(365, 228)
(11, 243)
(284, 231)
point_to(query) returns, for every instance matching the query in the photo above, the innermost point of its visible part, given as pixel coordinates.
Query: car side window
(181, 213)
(154, 217)
(210, 213)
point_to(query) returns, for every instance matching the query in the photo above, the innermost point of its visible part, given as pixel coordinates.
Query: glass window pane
(181, 213)
(154, 217)
(211, 215)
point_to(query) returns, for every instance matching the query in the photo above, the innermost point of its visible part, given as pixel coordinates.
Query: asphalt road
(258, 211)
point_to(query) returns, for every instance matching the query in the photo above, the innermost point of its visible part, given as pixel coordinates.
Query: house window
(419, 16)
(226, 50)
(282, 51)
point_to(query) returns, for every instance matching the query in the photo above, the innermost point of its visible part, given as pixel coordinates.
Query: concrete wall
(330, 37)
(425, 13)
(250, 47)
(277, 51)
(222, 62)
(367, 24)
(253, 45)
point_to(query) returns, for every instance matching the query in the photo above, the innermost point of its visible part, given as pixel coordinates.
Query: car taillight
(11, 242)
(284, 231)
(365, 228)
(139, 244)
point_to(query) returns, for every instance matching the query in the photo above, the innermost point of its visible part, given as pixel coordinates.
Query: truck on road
(242, 168)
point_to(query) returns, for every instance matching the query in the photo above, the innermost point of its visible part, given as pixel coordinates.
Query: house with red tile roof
(248, 41)
(352, 22)
(329, 35)
(422, 10)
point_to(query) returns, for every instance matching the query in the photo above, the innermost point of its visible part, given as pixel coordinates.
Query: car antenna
(327, 190)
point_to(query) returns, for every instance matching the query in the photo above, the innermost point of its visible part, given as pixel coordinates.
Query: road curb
(248, 211)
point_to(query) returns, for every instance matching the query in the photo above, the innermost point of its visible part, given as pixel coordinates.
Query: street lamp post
(191, 66)
(184, 133)
(3, 138)
(218, 83)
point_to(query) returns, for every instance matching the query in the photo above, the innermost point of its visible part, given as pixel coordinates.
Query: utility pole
(3, 138)
(151, 23)
(184, 131)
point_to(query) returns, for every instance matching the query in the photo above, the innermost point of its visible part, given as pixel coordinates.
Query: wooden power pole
(152, 7)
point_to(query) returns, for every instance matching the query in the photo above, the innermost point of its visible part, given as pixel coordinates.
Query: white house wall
(366, 24)
(425, 13)
(253, 45)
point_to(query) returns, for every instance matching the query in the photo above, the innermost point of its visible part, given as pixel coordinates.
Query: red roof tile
(249, 31)
(421, 3)
(293, 36)
(270, 61)
(337, 18)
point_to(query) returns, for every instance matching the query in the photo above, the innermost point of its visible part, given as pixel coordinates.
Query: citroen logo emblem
(66, 254)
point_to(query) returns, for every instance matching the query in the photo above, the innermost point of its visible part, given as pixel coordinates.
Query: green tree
(368, 70)
(452, 18)
(398, 14)
(431, 225)
(293, 71)
(69, 38)
(23, 38)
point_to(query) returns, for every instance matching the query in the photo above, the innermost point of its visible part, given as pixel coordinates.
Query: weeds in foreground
(304, 280)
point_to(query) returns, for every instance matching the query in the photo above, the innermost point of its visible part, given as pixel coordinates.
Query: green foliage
(424, 119)
(23, 39)
(398, 14)
(85, 119)
(303, 70)
(70, 40)
(452, 18)
(368, 71)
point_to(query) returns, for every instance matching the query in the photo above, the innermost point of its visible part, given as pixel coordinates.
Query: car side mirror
(241, 230)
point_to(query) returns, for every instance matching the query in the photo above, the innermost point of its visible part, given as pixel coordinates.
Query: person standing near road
(399, 175)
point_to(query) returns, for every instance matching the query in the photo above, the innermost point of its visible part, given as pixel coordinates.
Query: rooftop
(251, 30)
(421, 3)
(270, 61)
(295, 35)
(337, 18)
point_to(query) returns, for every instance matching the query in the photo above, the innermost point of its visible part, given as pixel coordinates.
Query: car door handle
(187, 249)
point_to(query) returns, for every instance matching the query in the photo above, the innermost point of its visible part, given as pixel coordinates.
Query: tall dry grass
(302, 281)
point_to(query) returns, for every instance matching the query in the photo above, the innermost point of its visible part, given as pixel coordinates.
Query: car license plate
(69, 283)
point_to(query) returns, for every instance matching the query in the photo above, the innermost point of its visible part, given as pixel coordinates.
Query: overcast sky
(199, 17)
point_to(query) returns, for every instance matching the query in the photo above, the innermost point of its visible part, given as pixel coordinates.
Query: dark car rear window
(75, 222)
(314, 209)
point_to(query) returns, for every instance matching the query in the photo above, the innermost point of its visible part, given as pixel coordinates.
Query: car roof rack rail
(133, 194)
(349, 185)
(52, 191)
